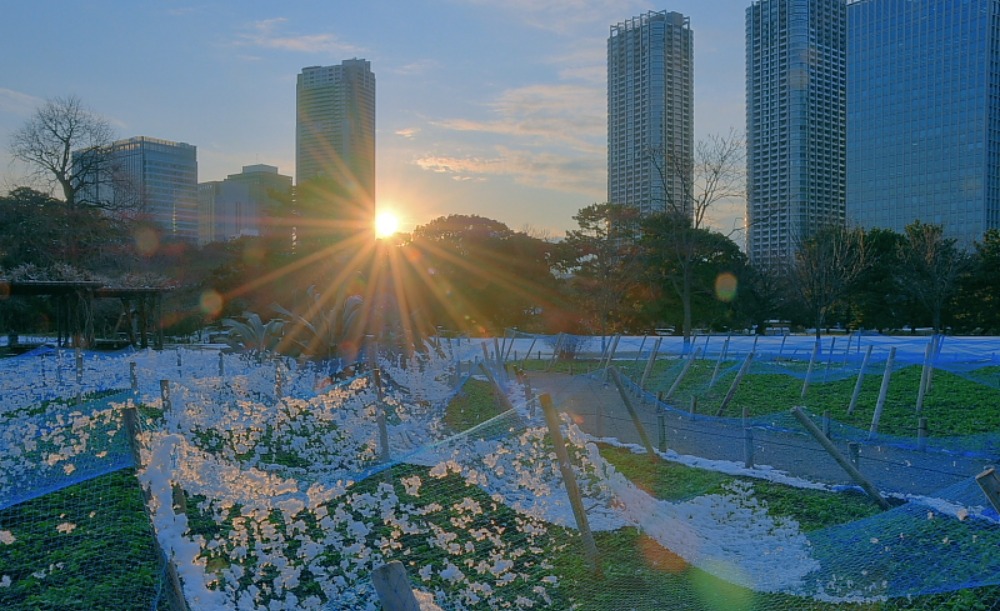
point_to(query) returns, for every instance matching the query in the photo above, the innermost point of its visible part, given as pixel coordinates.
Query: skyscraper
(335, 129)
(796, 123)
(238, 206)
(154, 177)
(651, 112)
(924, 115)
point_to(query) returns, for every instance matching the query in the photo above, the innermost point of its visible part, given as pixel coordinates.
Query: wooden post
(826, 423)
(843, 462)
(393, 588)
(616, 376)
(812, 363)
(857, 385)
(133, 377)
(736, 382)
(718, 364)
(748, 447)
(854, 449)
(693, 407)
(611, 355)
(882, 392)
(638, 352)
(572, 487)
(165, 396)
(222, 366)
(661, 420)
(383, 429)
(990, 484)
(922, 434)
(924, 375)
(527, 354)
(555, 351)
(649, 363)
(684, 370)
(79, 365)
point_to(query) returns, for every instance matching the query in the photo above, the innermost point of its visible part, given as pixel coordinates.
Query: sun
(386, 224)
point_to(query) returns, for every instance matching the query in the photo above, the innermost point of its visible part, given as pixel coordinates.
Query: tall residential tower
(796, 100)
(335, 129)
(924, 115)
(651, 112)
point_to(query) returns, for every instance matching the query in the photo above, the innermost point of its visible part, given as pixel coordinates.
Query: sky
(485, 107)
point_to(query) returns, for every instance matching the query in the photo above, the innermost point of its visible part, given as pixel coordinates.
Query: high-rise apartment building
(924, 115)
(158, 179)
(796, 81)
(651, 112)
(335, 129)
(239, 205)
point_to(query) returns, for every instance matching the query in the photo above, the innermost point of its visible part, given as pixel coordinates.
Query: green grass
(108, 561)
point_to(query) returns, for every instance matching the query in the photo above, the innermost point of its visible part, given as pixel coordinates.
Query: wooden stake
(857, 385)
(616, 376)
(572, 487)
(736, 382)
(812, 363)
(393, 588)
(843, 462)
(649, 363)
(882, 393)
(684, 370)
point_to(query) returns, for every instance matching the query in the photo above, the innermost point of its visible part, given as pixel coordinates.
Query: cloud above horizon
(267, 34)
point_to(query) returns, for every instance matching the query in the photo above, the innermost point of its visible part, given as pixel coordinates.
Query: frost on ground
(288, 505)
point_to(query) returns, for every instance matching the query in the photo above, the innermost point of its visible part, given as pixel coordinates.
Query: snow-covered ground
(286, 463)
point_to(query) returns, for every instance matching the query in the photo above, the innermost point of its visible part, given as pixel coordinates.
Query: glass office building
(154, 178)
(924, 115)
(651, 112)
(796, 78)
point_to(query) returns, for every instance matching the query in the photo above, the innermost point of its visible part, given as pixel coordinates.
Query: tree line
(616, 272)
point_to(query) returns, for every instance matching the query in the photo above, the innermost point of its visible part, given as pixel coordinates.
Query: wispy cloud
(409, 132)
(268, 34)
(18, 103)
(539, 169)
(566, 115)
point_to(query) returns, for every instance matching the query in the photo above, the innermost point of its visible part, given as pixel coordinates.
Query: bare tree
(47, 142)
(717, 172)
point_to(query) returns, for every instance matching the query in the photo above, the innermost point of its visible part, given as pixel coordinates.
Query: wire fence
(193, 479)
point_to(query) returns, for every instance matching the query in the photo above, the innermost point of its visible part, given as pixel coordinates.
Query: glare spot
(210, 302)
(725, 287)
(146, 241)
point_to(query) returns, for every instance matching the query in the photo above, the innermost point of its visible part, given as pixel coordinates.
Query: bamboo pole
(812, 363)
(572, 487)
(718, 364)
(857, 385)
(736, 382)
(882, 392)
(924, 376)
(684, 370)
(845, 464)
(649, 363)
(616, 376)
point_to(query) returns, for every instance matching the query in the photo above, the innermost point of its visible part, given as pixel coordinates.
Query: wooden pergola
(142, 309)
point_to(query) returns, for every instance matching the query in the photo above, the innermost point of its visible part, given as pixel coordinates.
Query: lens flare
(725, 287)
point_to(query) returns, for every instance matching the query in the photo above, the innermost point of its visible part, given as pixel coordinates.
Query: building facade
(651, 112)
(241, 204)
(335, 129)
(796, 98)
(924, 115)
(151, 178)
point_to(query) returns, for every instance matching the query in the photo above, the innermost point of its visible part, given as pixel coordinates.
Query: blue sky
(486, 107)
